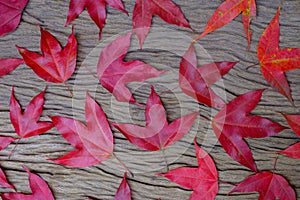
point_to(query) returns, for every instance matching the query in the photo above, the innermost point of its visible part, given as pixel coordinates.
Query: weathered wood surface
(163, 48)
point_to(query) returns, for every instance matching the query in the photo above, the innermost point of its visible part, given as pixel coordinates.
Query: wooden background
(163, 49)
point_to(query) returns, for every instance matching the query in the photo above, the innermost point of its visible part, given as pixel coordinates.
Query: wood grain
(163, 49)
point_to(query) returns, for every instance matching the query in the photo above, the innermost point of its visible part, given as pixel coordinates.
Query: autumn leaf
(5, 141)
(268, 185)
(27, 124)
(123, 192)
(96, 10)
(274, 61)
(144, 10)
(114, 73)
(10, 15)
(195, 81)
(158, 133)
(9, 64)
(3, 180)
(227, 11)
(40, 190)
(233, 123)
(203, 180)
(56, 64)
(93, 142)
(293, 151)
(247, 15)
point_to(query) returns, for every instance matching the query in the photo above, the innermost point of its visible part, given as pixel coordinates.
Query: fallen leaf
(294, 122)
(203, 180)
(40, 190)
(269, 186)
(93, 142)
(27, 124)
(293, 151)
(3, 180)
(233, 123)
(96, 10)
(10, 15)
(195, 82)
(123, 192)
(274, 61)
(55, 64)
(5, 141)
(247, 15)
(158, 133)
(114, 73)
(144, 10)
(9, 64)
(226, 12)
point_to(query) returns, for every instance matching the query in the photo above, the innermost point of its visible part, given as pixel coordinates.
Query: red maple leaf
(157, 133)
(27, 124)
(268, 185)
(96, 10)
(10, 15)
(274, 61)
(3, 180)
(227, 11)
(9, 64)
(5, 141)
(123, 192)
(40, 190)
(114, 73)
(203, 180)
(233, 123)
(293, 151)
(144, 10)
(55, 64)
(195, 81)
(93, 142)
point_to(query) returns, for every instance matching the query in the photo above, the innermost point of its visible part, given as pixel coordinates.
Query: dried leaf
(158, 133)
(40, 190)
(9, 64)
(55, 64)
(96, 10)
(233, 123)
(144, 10)
(195, 82)
(268, 185)
(10, 15)
(274, 61)
(27, 124)
(203, 180)
(114, 73)
(123, 192)
(93, 142)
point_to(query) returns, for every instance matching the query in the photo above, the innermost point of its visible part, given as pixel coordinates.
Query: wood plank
(163, 49)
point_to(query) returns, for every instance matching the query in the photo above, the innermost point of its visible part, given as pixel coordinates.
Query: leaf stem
(123, 165)
(165, 158)
(225, 182)
(91, 73)
(34, 17)
(275, 162)
(14, 149)
(69, 89)
(247, 68)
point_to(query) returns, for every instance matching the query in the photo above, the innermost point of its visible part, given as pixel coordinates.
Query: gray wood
(163, 49)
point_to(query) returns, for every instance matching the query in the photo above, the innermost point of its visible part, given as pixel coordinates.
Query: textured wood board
(163, 49)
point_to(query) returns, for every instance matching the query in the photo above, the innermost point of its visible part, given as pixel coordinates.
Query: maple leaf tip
(160, 174)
